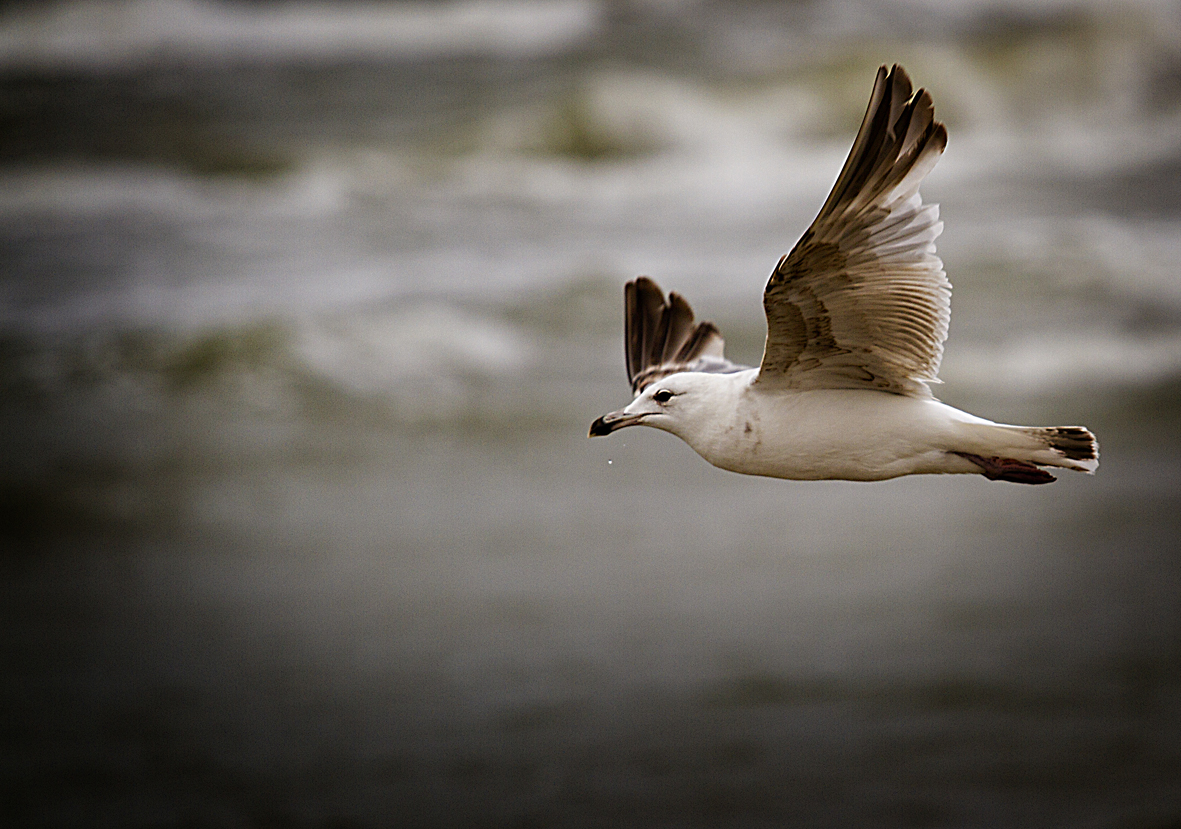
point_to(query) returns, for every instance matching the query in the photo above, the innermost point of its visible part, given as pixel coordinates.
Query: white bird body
(847, 434)
(857, 314)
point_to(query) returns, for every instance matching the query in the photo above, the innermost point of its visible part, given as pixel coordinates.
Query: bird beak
(608, 423)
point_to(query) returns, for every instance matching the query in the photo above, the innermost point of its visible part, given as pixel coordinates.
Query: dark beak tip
(598, 429)
(612, 422)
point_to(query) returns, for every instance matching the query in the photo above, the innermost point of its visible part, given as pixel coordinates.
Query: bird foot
(1008, 469)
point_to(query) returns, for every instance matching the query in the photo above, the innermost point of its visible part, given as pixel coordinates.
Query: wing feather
(862, 300)
(661, 338)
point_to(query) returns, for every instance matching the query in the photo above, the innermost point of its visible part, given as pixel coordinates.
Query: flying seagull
(856, 318)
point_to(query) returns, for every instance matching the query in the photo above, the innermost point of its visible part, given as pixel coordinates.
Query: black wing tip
(644, 284)
(660, 332)
(898, 129)
(900, 79)
(900, 92)
(919, 101)
(939, 135)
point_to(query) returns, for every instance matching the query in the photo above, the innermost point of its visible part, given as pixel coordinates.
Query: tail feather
(1070, 447)
(1074, 442)
(1015, 453)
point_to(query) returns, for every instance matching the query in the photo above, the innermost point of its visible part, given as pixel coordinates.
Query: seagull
(857, 315)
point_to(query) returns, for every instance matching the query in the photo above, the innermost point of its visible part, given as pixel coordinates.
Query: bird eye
(663, 396)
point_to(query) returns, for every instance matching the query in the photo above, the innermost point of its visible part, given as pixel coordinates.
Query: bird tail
(1016, 453)
(1074, 446)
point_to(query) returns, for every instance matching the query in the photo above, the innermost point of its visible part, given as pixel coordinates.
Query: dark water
(586, 644)
(304, 314)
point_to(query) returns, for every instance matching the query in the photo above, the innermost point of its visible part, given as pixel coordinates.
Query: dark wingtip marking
(660, 333)
(898, 129)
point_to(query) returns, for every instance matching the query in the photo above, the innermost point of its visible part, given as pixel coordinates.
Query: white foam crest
(961, 12)
(98, 33)
(682, 149)
(1135, 260)
(430, 346)
(75, 190)
(649, 111)
(1062, 361)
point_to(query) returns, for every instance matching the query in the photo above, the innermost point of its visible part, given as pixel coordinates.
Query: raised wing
(862, 300)
(660, 337)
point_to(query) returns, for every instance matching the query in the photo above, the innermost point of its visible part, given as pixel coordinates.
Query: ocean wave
(96, 34)
(419, 362)
(1053, 365)
(548, 357)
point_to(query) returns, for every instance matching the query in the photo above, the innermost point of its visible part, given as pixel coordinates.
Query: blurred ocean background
(305, 308)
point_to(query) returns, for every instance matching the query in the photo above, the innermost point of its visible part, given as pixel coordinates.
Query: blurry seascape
(305, 310)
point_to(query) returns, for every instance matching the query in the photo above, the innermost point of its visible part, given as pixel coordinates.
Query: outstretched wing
(862, 300)
(660, 337)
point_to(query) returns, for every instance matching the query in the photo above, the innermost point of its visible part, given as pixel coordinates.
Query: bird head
(665, 404)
